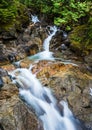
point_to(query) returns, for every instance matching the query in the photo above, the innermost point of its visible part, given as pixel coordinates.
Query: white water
(34, 19)
(46, 54)
(42, 101)
(40, 98)
(48, 39)
(91, 91)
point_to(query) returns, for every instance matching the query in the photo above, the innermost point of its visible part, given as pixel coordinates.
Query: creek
(53, 115)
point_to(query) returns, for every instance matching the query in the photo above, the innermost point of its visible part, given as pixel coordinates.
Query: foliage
(10, 13)
(65, 12)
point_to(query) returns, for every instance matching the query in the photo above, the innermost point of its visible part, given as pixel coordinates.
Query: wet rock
(1, 82)
(14, 115)
(12, 57)
(67, 42)
(26, 37)
(25, 63)
(68, 83)
(9, 35)
(8, 67)
(1, 48)
(3, 60)
(31, 50)
(63, 47)
(88, 60)
(3, 72)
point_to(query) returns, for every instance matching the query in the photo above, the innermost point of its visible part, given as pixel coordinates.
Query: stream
(53, 115)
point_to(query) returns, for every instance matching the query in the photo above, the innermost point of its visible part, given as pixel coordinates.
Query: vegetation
(64, 13)
(10, 13)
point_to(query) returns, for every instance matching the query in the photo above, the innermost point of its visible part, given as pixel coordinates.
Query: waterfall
(46, 54)
(48, 39)
(42, 101)
(34, 19)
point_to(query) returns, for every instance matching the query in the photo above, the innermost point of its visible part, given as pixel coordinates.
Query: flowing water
(35, 19)
(53, 115)
(46, 54)
(42, 101)
(48, 39)
(91, 91)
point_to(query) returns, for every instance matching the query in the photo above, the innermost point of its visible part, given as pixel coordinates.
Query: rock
(1, 48)
(68, 83)
(3, 72)
(26, 37)
(31, 50)
(63, 47)
(4, 78)
(3, 60)
(14, 115)
(88, 60)
(1, 82)
(9, 67)
(12, 57)
(9, 35)
(25, 63)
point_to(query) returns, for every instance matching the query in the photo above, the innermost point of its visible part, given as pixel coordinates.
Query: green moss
(81, 38)
(15, 20)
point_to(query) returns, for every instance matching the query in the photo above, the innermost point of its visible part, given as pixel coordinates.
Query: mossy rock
(81, 39)
(21, 19)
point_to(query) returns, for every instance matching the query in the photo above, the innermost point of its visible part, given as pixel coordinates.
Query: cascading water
(48, 39)
(46, 54)
(42, 101)
(35, 19)
(53, 115)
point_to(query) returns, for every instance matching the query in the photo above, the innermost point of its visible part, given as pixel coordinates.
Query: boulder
(14, 115)
(68, 83)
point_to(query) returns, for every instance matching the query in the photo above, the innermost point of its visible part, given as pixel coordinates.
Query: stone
(67, 83)
(3, 72)
(31, 50)
(14, 115)
(63, 47)
(1, 82)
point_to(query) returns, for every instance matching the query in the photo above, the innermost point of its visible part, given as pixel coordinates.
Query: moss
(21, 19)
(81, 38)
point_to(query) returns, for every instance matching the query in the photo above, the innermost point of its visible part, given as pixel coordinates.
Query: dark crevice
(1, 127)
